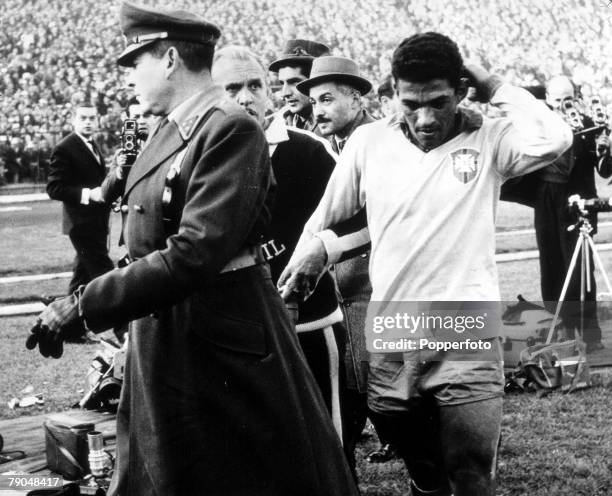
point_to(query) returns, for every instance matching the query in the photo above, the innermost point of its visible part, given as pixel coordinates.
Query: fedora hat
(337, 69)
(299, 51)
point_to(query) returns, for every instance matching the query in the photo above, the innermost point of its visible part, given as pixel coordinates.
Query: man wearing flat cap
(217, 397)
(293, 66)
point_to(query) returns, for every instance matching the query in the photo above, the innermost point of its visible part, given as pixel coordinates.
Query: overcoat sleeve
(224, 197)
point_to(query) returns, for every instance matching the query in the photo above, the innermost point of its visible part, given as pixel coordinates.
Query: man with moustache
(430, 176)
(302, 164)
(335, 90)
(293, 66)
(217, 397)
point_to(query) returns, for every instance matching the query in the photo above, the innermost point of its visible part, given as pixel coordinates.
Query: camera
(598, 112)
(590, 205)
(130, 146)
(572, 116)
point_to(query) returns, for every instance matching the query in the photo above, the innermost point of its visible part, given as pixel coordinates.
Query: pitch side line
(34, 277)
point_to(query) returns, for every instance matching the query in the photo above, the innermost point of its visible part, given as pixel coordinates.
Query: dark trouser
(354, 415)
(449, 449)
(91, 258)
(355, 412)
(556, 247)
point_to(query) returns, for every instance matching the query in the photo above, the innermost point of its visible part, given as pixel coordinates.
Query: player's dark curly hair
(427, 56)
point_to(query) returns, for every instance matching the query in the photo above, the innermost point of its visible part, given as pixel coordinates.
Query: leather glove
(50, 343)
(484, 83)
(49, 331)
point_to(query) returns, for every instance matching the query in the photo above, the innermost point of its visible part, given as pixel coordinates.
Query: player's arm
(531, 136)
(342, 199)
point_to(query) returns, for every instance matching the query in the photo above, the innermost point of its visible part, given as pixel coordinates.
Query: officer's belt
(247, 257)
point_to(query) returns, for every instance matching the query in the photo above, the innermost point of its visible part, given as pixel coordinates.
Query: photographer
(572, 173)
(135, 131)
(145, 120)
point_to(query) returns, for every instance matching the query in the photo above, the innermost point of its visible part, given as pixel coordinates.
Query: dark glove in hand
(50, 343)
(50, 328)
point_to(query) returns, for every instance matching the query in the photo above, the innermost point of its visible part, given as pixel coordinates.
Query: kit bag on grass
(556, 365)
(66, 448)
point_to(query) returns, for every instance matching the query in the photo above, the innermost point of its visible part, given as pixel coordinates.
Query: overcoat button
(124, 208)
(139, 208)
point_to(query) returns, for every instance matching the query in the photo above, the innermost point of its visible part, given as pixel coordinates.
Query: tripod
(584, 246)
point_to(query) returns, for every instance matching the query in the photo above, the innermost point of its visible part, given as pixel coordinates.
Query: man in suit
(217, 398)
(76, 171)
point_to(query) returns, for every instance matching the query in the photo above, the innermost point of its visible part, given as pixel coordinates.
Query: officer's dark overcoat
(217, 398)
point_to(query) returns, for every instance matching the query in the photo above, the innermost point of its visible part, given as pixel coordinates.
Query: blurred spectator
(385, 97)
(57, 51)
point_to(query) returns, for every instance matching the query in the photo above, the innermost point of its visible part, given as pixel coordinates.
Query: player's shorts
(447, 377)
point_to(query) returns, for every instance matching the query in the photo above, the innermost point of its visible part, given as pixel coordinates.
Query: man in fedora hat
(217, 397)
(293, 66)
(335, 89)
(430, 176)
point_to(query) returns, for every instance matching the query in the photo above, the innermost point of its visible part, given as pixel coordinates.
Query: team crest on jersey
(465, 164)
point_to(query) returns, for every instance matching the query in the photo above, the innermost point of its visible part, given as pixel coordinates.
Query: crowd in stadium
(53, 56)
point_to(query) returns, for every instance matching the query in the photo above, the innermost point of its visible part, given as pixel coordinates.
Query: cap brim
(360, 84)
(285, 61)
(127, 56)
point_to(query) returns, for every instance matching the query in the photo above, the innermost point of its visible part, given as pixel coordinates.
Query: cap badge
(299, 51)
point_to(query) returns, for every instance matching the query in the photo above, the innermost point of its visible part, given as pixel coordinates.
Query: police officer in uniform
(217, 398)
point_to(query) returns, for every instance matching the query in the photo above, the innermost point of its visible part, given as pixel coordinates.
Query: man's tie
(95, 150)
